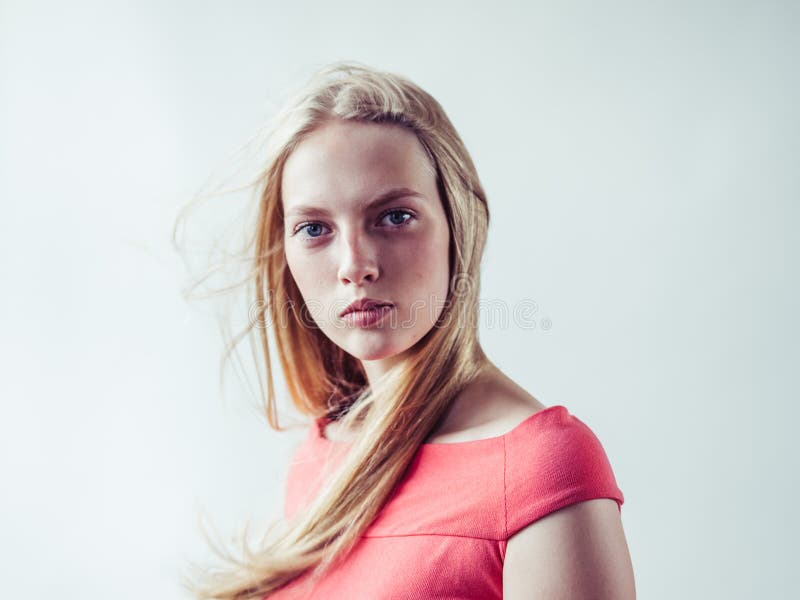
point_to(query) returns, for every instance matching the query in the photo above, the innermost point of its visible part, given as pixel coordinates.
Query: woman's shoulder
(492, 406)
(549, 458)
(551, 461)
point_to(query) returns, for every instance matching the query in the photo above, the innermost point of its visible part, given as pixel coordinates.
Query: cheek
(441, 269)
(302, 271)
(431, 269)
(306, 273)
(437, 249)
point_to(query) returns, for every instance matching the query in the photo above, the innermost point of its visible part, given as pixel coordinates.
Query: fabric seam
(451, 535)
(505, 493)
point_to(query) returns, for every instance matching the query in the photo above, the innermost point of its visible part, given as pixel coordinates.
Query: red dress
(443, 532)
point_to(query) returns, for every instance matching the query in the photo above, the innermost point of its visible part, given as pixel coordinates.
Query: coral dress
(443, 532)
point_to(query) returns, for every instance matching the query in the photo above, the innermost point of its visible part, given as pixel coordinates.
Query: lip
(368, 317)
(363, 304)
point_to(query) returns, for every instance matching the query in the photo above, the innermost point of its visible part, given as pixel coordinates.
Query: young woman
(426, 472)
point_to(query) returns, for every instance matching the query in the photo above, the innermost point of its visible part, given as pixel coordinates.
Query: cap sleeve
(554, 461)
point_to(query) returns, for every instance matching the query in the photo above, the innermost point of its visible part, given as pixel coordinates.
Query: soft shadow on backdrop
(641, 167)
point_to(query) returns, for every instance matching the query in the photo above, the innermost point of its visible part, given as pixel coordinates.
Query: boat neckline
(320, 423)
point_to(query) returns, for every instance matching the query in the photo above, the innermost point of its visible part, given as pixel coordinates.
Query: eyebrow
(384, 198)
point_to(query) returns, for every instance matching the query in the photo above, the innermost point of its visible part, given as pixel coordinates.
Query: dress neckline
(319, 426)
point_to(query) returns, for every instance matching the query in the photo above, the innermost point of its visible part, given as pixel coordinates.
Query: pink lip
(362, 304)
(368, 317)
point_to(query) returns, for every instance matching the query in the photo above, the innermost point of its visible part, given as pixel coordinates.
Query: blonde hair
(396, 414)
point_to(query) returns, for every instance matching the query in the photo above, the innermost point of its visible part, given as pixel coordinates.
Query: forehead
(348, 161)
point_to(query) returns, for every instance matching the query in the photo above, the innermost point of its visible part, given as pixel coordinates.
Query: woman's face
(363, 219)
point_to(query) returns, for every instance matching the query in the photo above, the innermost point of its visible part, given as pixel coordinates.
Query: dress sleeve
(555, 461)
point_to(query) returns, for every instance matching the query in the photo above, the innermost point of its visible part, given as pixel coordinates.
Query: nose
(358, 263)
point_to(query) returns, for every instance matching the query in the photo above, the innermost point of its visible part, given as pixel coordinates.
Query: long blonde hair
(395, 414)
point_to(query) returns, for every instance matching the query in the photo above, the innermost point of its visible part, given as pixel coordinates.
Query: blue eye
(307, 227)
(395, 212)
(313, 230)
(397, 218)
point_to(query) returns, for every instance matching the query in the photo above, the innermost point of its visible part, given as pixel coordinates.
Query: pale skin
(340, 247)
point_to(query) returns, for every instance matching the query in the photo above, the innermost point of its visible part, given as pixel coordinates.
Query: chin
(379, 347)
(372, 354)
(378, 350)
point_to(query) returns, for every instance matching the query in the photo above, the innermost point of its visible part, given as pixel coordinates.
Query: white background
(641, 164)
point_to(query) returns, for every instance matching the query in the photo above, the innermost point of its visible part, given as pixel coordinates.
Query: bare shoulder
(578, 552)
(491, 406)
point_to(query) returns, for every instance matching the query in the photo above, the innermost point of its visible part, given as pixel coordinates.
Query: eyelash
(302, 226)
